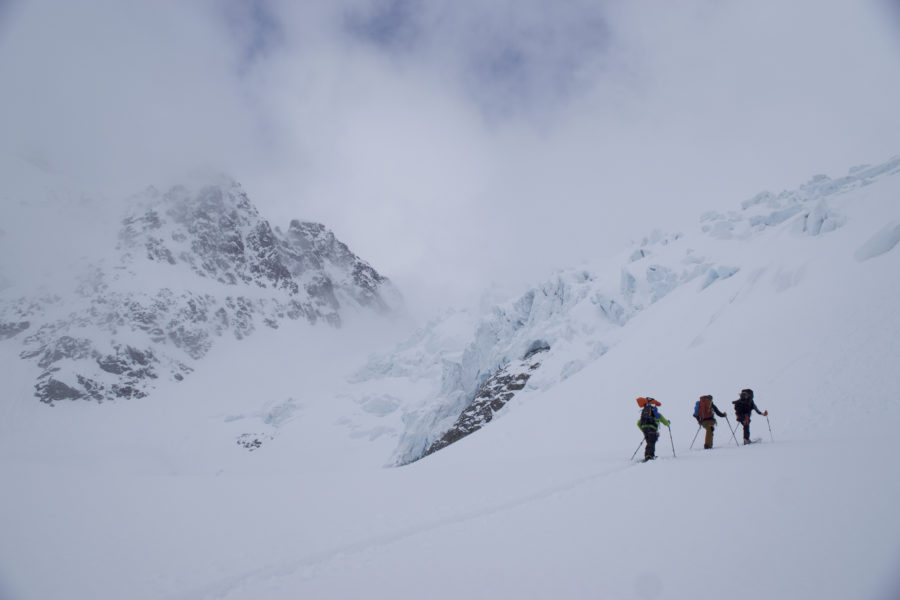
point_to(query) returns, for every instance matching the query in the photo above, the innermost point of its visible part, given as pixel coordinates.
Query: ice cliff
(577, 315)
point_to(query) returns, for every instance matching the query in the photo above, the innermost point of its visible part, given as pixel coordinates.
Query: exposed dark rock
(129, 361)
(127, 392)
(92, 389)
(112, 364)
(131, 369)
(64, 347)
(252, 441)
(367, 282)
(536, 347)
(52, 390)
(310, 246)
(8, 330)
(493, 395)
(321, 290)
(267, 259)
(215, 233)
(139, 357)
(241, 316)
(193, 340)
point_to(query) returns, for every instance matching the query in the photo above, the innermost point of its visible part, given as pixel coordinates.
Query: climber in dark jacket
(743, 407)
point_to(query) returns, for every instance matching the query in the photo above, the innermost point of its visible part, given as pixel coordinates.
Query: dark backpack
(648, 419)
(743, 406)
(703, 409)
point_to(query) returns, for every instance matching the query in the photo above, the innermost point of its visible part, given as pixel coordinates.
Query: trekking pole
(669, 427)
(770, 428)
(732, 432)
(695, 437)
(636, 451)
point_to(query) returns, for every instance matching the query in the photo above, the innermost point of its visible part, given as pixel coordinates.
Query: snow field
(154, 499)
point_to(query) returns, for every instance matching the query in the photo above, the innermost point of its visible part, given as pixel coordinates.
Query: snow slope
(156, 500)
(580, 315)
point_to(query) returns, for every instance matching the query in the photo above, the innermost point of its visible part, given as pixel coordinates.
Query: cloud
(455, 144)
(116, 92)
(509, 56)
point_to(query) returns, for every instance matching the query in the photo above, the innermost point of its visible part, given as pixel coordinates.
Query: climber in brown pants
(705, 412)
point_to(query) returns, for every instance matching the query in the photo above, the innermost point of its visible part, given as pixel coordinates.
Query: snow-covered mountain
(191, 265)
(576, 316)
(523, 410)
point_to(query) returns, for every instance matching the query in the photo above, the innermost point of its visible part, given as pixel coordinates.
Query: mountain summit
(190, 266)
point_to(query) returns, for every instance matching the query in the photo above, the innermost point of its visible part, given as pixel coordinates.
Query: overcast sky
(450, 143)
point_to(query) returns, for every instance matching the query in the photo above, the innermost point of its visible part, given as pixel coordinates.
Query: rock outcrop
(190, 266)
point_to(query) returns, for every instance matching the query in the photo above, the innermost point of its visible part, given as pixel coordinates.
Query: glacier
(580, 313)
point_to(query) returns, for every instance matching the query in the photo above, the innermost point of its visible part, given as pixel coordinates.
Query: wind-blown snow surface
(793, 295)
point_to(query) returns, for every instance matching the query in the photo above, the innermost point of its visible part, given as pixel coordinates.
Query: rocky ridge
(190, 266)
(493, 395)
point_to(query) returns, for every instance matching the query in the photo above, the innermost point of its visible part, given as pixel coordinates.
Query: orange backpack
(704, 408)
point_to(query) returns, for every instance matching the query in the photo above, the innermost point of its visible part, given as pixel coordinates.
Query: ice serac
(492, 395)
(544, 336)
(191, 265)
(577, 315)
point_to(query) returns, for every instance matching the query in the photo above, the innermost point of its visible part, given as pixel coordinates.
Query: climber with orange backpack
(705, 412)
(649, 425)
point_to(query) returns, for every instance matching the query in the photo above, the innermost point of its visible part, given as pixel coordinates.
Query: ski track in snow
(224, 588)
(309, 565)
(808, 320)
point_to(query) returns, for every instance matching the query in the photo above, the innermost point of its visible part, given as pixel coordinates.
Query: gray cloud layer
(450, 143)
